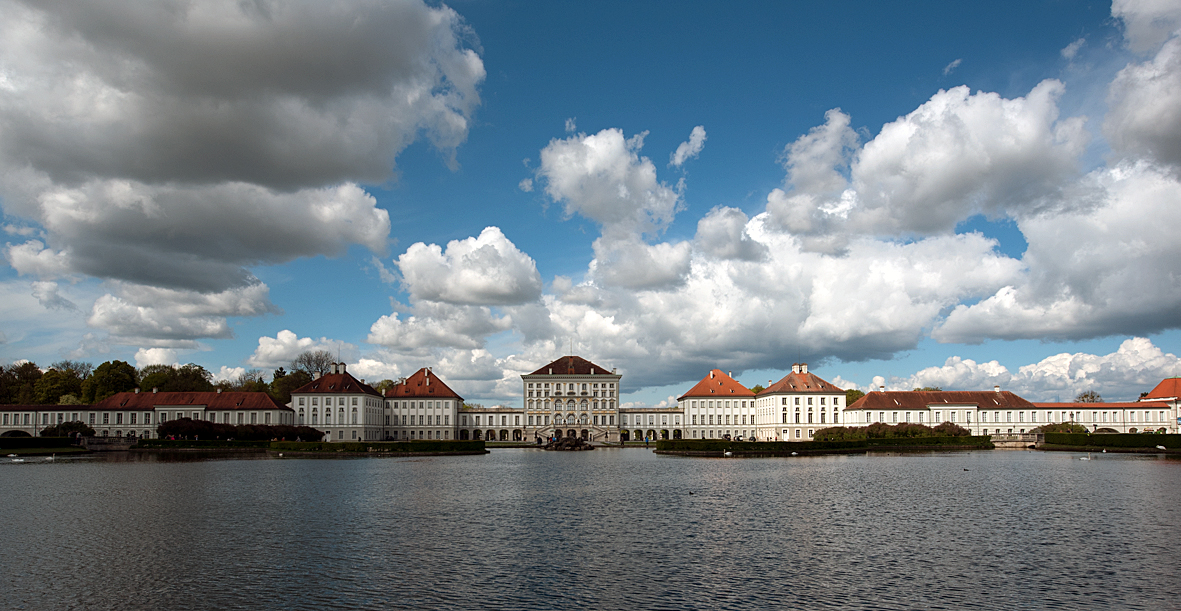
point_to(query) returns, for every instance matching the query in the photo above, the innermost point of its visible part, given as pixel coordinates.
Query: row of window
(1049, 416)
(571, 405)
(570, 385)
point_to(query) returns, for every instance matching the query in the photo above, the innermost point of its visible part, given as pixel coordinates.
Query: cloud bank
(169, 147)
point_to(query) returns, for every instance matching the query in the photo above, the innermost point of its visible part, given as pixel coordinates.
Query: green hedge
(974, 441)
(166, 444)
(778, 447)
(417, 445)
(1119, 440)
(787, 447)
(17, 443)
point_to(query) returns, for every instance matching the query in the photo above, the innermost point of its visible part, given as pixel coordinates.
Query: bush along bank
(719, 447)
(379, 448)
(1125, 442)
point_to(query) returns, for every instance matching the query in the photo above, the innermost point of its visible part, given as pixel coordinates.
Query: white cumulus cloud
(689, 149)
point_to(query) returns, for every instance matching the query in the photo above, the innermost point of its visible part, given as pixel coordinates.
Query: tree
(78, 368)
(312, 362)
(1060, 427)
(852, 395)
(186, 378)
(1088, 396)
(384, 385)
(18, 383)
(757, 388)
(53, 384)
(68, 429)
(929, 389)
(109, 378)
(283, 383)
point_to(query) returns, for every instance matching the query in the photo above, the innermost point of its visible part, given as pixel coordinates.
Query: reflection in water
(610, 529)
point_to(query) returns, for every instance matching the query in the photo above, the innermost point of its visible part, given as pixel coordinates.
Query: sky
(899, 194)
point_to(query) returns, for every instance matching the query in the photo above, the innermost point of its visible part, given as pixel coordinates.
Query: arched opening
(491, 435)
(517, 435)
(651, 434)
(463, 434)
(557, 433)
(584, 434)
(664, 433)
(571, 433)
(476, 434)
(676, 433)
(624, 436)
(638, 435)
(503, 435)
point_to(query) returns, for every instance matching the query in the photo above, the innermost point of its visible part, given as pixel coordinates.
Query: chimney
(551, 371)
(803, 368)
(996, 388)
(219, 391)
(881, 389)
(343, 368)
(155, 390)
(316, 375)
(711, 374)
(137, 391)
(731, 374)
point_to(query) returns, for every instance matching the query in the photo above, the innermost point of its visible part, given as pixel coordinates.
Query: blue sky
(920, 194)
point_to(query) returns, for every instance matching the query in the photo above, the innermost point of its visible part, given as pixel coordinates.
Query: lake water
(608, 529)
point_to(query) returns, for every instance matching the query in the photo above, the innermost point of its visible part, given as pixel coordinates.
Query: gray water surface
(608, 529)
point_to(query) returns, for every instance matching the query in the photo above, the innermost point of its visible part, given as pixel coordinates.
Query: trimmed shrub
(417, 445)
(18, 443)
(165, 444)
(195, 429)
(778, 447)
(982, 441)
(881, 430)
(1118, 440)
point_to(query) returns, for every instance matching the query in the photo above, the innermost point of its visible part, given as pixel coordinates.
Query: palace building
(571, 397)
(342, 406)
(137, 414)
(797, 406)
(717, 407)
(423, 407)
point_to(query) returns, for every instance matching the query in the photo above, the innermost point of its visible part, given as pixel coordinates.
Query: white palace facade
(573, 397)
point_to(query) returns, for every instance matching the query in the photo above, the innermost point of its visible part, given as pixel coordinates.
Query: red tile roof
(336, 383)
(208, 400)
(923, 399)
(800, 383)
(1169, 388)
(571, 365)
(717, 385)
(424, 384)
(47, 408)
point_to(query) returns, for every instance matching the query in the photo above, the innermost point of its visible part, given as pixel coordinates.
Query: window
(133, 417)
(106, 418)
(91, 419)
(354, 400)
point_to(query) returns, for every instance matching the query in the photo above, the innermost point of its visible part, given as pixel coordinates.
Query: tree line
(69, 382)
